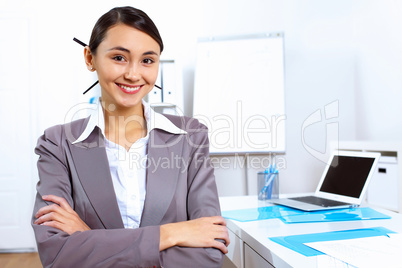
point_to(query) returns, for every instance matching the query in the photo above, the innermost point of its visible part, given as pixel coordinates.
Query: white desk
(250, 246)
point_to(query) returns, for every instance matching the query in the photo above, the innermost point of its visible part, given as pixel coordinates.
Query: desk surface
(256, 233)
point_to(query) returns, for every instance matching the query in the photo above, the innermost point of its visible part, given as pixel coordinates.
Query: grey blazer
(180, 186)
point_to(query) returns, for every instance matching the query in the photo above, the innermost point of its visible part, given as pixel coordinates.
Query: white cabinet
(383, 188)
(169, 99)
(253, 259)
(241, 255)
(235, 250)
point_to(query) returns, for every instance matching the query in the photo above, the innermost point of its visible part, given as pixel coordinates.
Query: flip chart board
(239, 93)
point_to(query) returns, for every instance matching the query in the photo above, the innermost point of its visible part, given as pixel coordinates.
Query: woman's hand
(60, 215)
(201, 232)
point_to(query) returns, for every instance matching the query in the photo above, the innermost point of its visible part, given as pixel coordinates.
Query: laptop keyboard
(319, 201)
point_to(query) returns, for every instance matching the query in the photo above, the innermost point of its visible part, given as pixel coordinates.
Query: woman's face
(127, 64)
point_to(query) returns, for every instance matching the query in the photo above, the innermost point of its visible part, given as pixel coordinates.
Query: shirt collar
(154, 121)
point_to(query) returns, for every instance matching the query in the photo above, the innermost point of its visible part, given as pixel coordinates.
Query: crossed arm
(201, 232)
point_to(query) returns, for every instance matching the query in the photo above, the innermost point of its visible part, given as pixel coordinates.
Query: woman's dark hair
(126, 15)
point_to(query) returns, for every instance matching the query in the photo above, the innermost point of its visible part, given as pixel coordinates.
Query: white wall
(379, 70)
(319, 69)
(342, 51)
(336, 52)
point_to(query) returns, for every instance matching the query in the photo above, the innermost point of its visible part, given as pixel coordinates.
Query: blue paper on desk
(296, 242)
(261, 213)
(290, 215)
(349, 214)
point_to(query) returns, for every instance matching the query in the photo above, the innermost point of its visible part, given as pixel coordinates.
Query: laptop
(343, 183)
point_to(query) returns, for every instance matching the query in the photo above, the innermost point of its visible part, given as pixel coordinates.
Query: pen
(264, 190)
(94, 84)
(79, 42)
(268, 181)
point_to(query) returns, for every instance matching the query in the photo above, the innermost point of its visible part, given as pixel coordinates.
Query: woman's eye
(118, 58)
(148, 61)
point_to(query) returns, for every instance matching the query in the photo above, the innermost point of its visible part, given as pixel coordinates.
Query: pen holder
(268, 185)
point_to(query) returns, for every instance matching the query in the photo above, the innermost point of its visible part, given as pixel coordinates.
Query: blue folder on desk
(296, 242)
(261, 213)
(289, 215)
(351, 214)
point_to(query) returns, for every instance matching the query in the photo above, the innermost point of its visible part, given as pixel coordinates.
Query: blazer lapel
(164, 164)
(91, 163)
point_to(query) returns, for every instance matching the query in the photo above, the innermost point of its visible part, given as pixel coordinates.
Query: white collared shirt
(128, 168)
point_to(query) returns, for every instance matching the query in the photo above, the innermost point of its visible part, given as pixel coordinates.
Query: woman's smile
(129, 89)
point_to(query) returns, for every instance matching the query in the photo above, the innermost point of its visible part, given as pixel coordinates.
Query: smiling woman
(112, 192)
(127, 63)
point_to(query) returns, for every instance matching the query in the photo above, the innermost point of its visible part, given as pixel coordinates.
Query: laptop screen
(347, 175)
